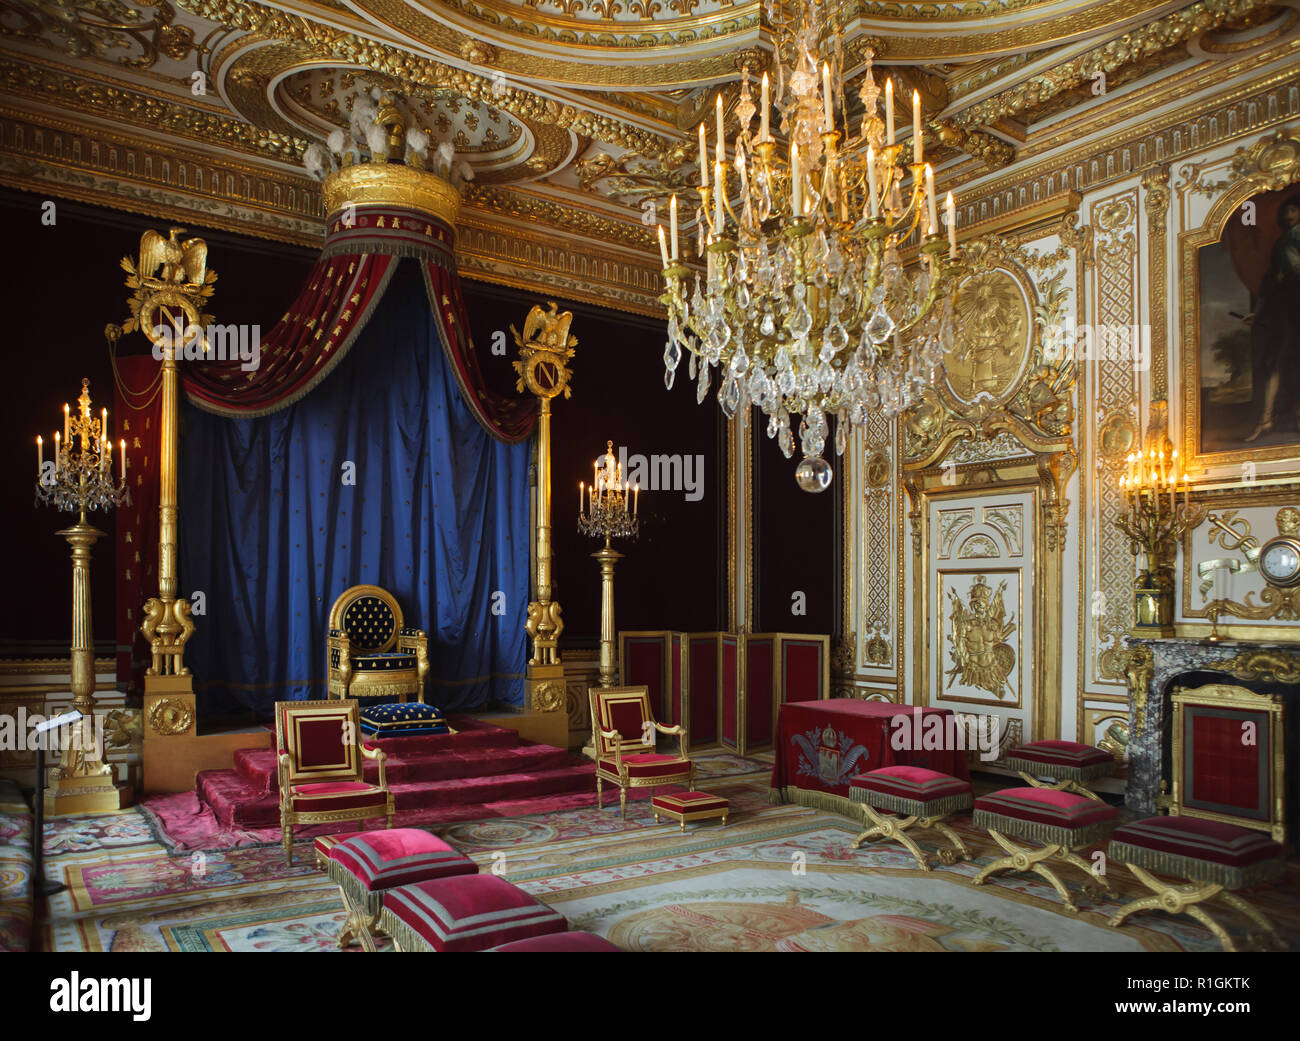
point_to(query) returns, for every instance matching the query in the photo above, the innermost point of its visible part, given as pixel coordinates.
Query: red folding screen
(726, 687)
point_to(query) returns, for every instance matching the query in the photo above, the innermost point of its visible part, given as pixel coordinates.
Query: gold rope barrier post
(545, 348)
(80, 477)
(172, 283)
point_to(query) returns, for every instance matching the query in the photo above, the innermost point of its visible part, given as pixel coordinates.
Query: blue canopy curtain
(381, 473)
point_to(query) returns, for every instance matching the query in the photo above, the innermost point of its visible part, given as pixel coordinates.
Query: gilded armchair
(319, 749)
(369, 653)
(623, 733)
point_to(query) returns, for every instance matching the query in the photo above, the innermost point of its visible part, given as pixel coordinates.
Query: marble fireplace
(1156, 666)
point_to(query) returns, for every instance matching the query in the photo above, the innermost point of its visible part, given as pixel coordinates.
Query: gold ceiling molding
(93, 28)
(1144, 42)
(1241, 112)
(71, 90)
(309, 43)
(656, 24)
(252, 65)
(512, 67)
(582, 223)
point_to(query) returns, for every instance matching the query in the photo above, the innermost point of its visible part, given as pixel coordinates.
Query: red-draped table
(822, 745)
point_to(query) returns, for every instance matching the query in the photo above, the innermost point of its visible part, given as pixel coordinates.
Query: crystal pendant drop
(841, 435)
(786, 440)
(881, 327)
(672, 354)
(702, 388)
(768, 326)
(729, 397)
(800, 322)
(813, 475)
(669, 375)
(691, 368)
(773, 425)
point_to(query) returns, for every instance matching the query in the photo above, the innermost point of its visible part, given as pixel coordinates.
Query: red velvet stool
(366, 864)
(1213, 857)
(1069, 763)
(1061, 821)
(325, 843)
(560, 943)
(690, 806)
(465, 913)
(924, 799)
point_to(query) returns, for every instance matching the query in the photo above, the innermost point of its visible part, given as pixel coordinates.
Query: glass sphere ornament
(813, 474)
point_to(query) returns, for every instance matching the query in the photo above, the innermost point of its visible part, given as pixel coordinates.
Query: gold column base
(72, 795)
(545, 688)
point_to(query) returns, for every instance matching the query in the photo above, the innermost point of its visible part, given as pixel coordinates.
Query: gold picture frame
(1266, 176)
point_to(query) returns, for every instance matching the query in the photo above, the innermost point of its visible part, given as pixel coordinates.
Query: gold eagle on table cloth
(981, 656)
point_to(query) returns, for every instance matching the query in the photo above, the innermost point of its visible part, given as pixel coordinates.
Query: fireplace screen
(1227, 756)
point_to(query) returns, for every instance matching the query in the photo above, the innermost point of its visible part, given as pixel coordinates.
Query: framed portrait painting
(1241, 329)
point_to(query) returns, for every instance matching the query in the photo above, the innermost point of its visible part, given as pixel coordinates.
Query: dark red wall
(797, 538)
(672, 576)
(63, 285)
(67, 285)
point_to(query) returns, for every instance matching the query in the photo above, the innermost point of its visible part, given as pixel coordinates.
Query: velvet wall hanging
(273, 529)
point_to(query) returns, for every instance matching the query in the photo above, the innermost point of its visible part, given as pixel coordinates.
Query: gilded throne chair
(623, 733)
(320, 770)
(369, 653)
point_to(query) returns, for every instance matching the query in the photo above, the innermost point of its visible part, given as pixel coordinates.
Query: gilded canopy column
(172, 283)
(545, 348)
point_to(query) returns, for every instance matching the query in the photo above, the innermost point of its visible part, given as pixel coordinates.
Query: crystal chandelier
(806, 308)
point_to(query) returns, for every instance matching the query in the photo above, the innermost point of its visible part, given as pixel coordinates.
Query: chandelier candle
(889, 112)
(806, 308)
(918, 147)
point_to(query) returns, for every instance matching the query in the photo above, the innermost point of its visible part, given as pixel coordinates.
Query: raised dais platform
(481, 763)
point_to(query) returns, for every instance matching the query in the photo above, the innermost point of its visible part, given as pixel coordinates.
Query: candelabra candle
(81, 476)
(765, 131)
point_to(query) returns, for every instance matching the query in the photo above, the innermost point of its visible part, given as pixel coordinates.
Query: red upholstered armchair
(320, 767)
(623, 734)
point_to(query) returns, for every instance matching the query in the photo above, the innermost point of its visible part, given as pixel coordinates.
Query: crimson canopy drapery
(341, 293)
(316, 333)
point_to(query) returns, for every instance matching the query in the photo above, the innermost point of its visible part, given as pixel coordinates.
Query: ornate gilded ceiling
(571, 112)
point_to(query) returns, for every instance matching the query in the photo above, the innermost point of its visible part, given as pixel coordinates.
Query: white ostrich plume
(316, 160)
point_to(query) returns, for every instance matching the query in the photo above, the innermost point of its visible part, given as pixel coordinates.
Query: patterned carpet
(776, 878)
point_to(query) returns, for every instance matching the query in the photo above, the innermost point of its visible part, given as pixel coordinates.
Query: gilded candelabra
(608, 510)
(1155, 518)
(545, 348)
(79, 478)
(806, 307)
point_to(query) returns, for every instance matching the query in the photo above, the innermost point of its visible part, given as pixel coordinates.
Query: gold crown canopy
(391, 184)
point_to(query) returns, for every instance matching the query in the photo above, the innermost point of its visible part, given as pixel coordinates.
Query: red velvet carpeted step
(452, 774)
(256, 767)
(239, 805)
